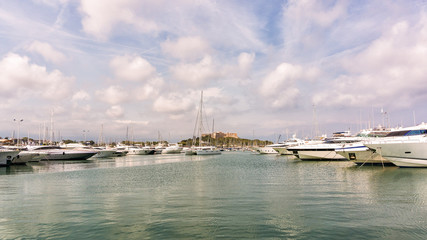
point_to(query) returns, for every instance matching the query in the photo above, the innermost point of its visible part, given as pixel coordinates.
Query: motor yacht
(172, 149)
(406, 147)
(49, 152)
(322, 151)
(292, 142)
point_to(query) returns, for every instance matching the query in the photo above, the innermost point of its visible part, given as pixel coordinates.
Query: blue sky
(261, 64)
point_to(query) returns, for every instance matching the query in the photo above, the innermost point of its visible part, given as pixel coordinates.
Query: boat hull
(283, 151)
(403, 154)
(7, 156)
(67, 156)
(208, 152)
(104, 154)
(318, 155)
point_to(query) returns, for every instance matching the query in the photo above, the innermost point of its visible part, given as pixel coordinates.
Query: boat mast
(200, 119)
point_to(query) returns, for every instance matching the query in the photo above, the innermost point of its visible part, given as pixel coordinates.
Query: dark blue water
(234, 195)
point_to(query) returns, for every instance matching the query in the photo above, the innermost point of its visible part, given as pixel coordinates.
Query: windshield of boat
(407, 133)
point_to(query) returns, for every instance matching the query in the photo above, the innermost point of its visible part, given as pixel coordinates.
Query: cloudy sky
(262, 66)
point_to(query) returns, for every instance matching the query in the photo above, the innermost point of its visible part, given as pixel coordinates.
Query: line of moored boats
(403, 147)
(14, 155)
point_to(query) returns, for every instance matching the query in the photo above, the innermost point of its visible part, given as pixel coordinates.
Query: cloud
(312, 12)
(197, 73)
(115, 111)
(81, 95)
(174, 103)
(113, 95)
(245, 61)
(99, 19)
(279, 86)
(20, 78)
(47, 52)
(389, 71)
(132, 68)
(187, 48)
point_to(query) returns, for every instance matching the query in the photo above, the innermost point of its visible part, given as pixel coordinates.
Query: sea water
(236, 195)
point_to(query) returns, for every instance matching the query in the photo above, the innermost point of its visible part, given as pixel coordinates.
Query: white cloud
(245, 62)
(115, 111)
(173, 103)
(279, 86)
(21, 78)
(132, 68)
(113, 95)
(305, 13)
(81, 95)
(389, 71)
(47, 51)
(187, 48)
(198, 73)
(148, 90)
(100, 18)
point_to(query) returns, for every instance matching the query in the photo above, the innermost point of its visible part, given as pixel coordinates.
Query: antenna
(413, 113)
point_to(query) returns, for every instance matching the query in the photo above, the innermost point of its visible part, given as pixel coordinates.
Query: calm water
(234, 195)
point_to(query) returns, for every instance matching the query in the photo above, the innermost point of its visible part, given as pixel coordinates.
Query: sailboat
(201, 150)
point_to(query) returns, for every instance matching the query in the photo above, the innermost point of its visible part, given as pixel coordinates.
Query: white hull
(408, 162)
(361, 155)
(409, 153)
(208, 152)
(6, 157)
(319, 155)
(104, 154)
(139, 151)
(266, 150)
(172, 150)
(365, 157)
(67, 155)
(283, 151)
(25, 156)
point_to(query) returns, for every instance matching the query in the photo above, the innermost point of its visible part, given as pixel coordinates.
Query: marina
(232, 195)
(197, 119)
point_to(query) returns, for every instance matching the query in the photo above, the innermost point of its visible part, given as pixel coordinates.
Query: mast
(51, 127)
(200, 119)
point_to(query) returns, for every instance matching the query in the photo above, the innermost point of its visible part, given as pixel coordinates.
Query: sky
(267, 69)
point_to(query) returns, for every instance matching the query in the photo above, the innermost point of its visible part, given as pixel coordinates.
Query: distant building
(216, 135)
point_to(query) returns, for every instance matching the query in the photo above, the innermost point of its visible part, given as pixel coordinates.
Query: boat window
(416, 132)
(397, 133)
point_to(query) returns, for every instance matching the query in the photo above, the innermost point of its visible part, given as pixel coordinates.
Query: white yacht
(207, 150)
(135, 150)
(7, 155)
(172, 149)
(49, 152)
(322, 151)
(104, 152)
(406, 147)
(283, 150)
(269, 149)
(358, 153)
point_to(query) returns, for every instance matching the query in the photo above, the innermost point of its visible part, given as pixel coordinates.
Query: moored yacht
(322, 151)
(207, 150)
(172, 149)
(283, 149)
(358, 153)
(269, 149)
(57, 153)
(134, 150)
(406, 147)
